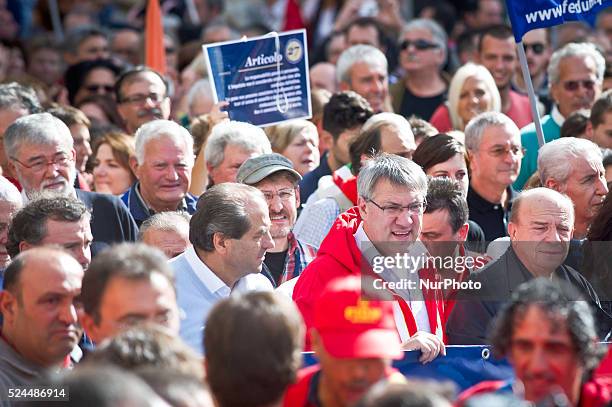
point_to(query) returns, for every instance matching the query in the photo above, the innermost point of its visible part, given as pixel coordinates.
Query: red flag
(155, 53)
(293, 16)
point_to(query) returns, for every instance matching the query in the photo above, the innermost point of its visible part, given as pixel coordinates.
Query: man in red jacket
(548, 334)
(383, 228)
(355, 339)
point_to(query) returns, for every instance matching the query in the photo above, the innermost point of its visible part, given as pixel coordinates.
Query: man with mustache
(494, 148)
(41, 153)
(275, 177)
(163, 162)
(39, 308)
(540, 230)
(142, 96)
(548, 335)
(575, 78)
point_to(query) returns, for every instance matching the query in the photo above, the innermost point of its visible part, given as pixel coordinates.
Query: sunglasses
(536, 47)
(97, 88)
(572, 86)
(421, 45)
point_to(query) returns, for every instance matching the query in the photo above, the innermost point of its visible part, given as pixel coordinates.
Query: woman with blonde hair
(472, 91)
(298, 140)
(111, 165)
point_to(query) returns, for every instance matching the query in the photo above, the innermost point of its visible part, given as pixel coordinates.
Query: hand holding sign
(264, 79)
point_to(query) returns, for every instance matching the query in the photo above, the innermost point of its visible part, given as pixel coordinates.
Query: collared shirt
(491, 217)
(413, 296)
(298, 257)
(198, 289)
(141, 211)
(14, 370)
(315, 221)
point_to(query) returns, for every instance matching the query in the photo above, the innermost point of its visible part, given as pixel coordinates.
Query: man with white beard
(40, 150)
(275, 177)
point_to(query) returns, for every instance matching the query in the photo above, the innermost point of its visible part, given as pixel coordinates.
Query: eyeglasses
(536, 47)
(415, 208)
(42, 164)
(420, 45)
(572, 86)
(502, 151)
(140, 99)
(97, 88)
(285, 195)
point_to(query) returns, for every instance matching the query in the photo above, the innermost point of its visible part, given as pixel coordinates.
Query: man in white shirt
(230, 233)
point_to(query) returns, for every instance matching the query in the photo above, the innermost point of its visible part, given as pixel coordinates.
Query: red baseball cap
(354, 326)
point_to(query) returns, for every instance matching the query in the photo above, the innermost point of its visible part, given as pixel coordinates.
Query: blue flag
(527, 15)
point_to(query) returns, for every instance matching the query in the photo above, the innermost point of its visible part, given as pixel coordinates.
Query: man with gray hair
(575, 78)
(493, 144)
(168, 231)
(40, 149)
(363, 69)
(384, 132)
(540, 231)
(386, 223)
(274, 175)
(10, 203)
(574, 167)
(230, 144)
(163, 162)
(15, 101)
(230, 233)
(423, 51)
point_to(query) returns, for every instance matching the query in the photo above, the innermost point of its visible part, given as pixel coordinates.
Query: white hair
(9, 192)
(574, 49)
(470, 70)
(476, 127)
(366, 54)
(244, 135)
(555, 158)
(157, 129)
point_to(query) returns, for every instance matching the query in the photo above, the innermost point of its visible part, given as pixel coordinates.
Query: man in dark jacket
(540, 231)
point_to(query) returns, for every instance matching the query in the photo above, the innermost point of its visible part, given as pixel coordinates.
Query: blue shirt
(139, 210)
(198, 289)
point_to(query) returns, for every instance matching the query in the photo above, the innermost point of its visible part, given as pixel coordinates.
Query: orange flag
(155, 54)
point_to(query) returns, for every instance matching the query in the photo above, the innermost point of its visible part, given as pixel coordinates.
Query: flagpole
(532, 97)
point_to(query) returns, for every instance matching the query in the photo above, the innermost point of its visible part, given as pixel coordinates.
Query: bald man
(540, 229)
(40, 326)
(323, 76)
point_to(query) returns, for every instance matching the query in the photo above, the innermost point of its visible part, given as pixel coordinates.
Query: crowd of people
(154, 252)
